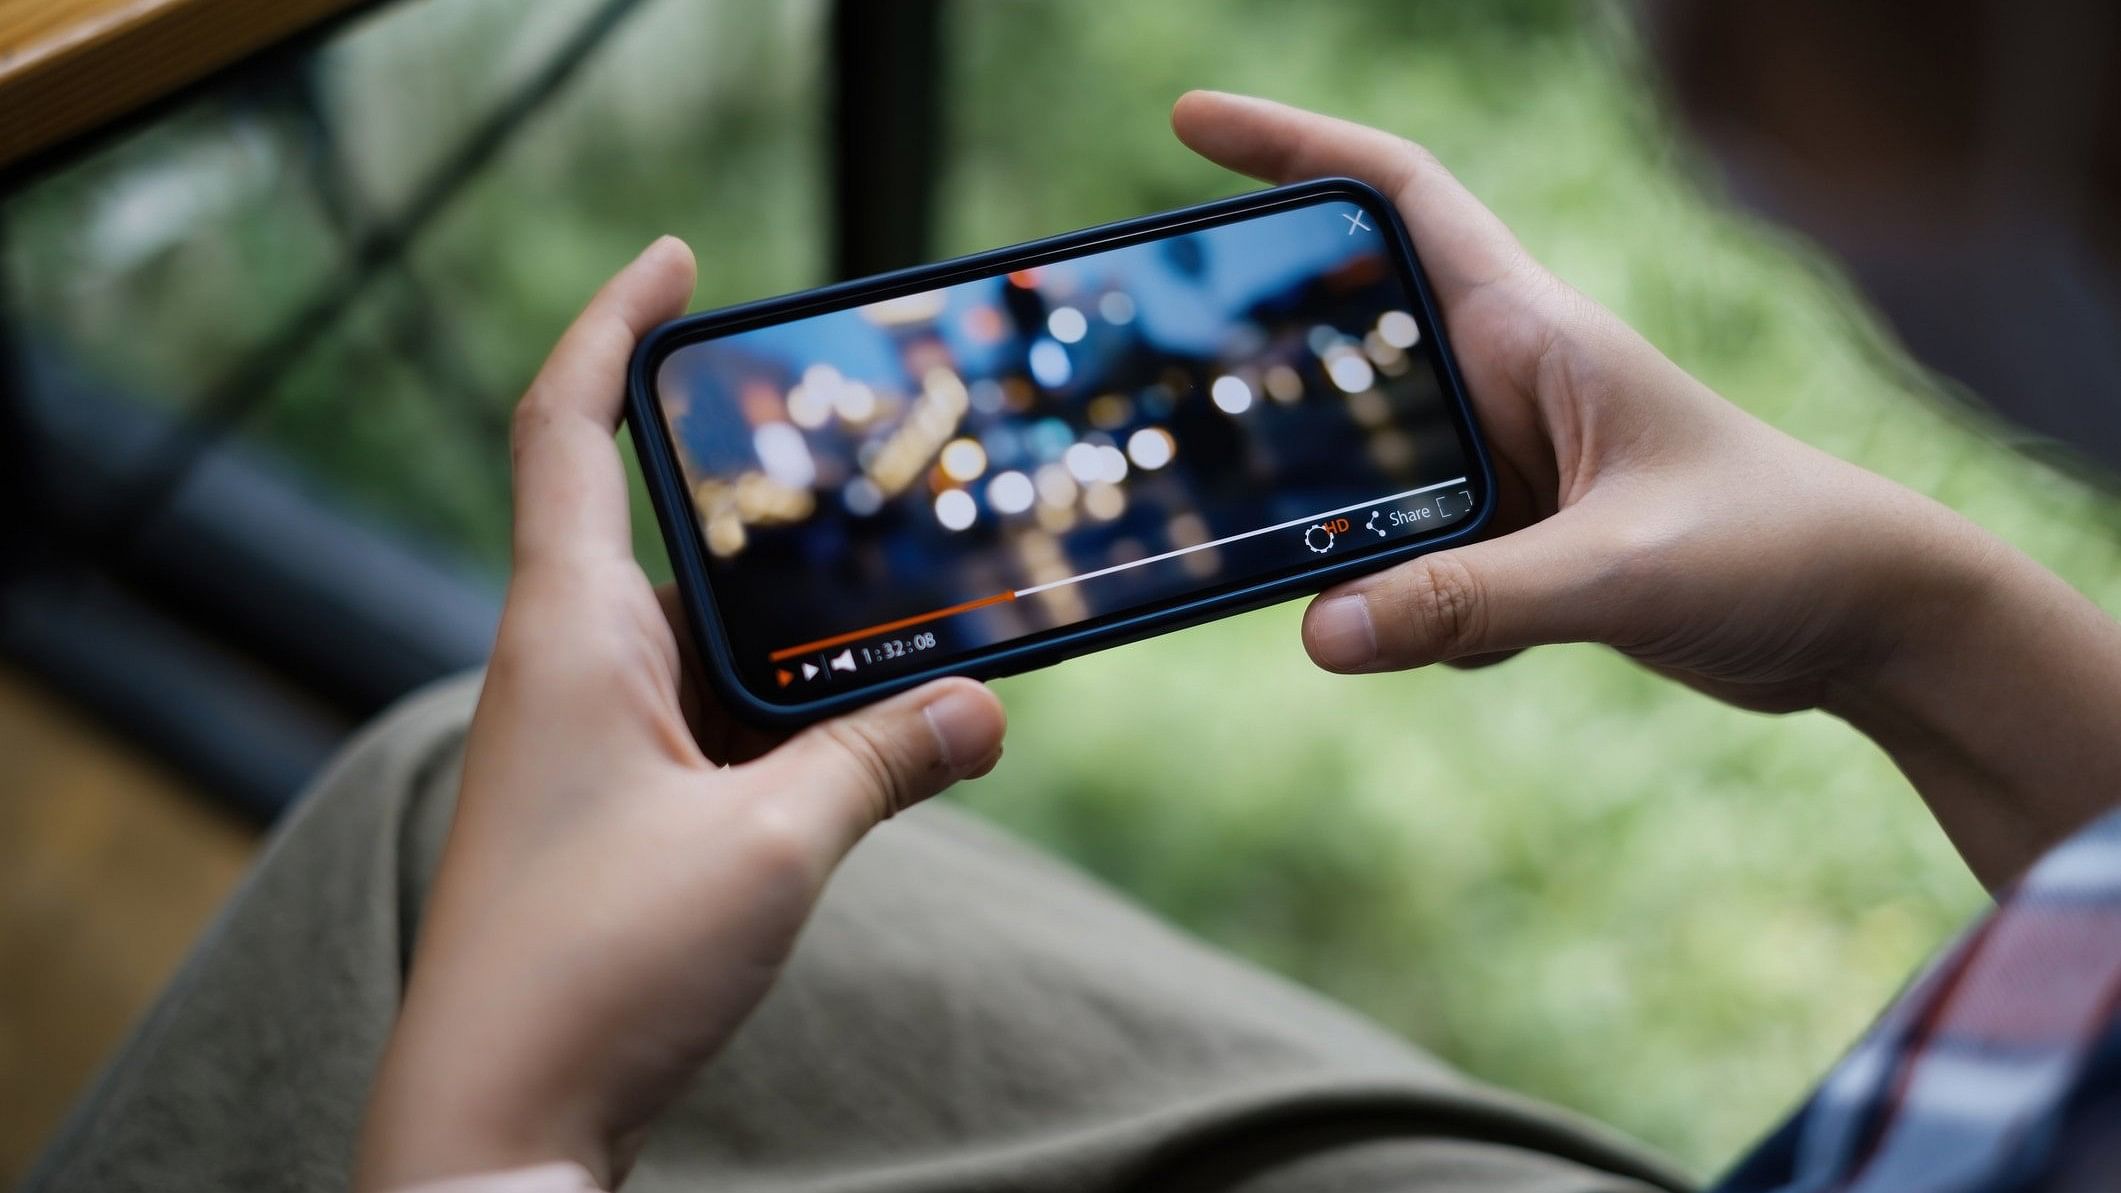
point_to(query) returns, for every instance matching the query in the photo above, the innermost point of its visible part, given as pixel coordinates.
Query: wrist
(449, 1135)
(1997, 691)
(557, 1177)
(447, 1107)
(1938, 585)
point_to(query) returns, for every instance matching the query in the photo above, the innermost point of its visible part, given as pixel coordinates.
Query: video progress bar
(998, 598)
(1121, 567)
(789, 652)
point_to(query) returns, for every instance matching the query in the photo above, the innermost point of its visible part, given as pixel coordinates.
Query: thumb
(846, 774)
(1545, 583)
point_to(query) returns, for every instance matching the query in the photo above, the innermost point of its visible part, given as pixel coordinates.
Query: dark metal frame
(202, 603)
(888, 154)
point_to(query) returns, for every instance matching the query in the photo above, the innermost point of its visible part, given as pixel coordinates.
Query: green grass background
(1561, 873)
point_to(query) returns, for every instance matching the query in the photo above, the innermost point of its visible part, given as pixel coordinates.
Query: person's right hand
(1644, 512)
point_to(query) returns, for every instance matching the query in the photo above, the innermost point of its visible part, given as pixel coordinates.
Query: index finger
(1463, 245)
(570, 486)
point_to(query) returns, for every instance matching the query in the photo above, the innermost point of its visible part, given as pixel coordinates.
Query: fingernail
(959, 722)
(1340, 633)
(654, 246)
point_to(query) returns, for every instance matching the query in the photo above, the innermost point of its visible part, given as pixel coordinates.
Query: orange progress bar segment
(850, 636)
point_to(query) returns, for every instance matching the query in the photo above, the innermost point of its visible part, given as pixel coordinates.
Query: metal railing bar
(886, 154)
(239, 394)
(417, 328)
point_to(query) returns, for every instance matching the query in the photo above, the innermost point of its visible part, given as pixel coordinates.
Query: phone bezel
(678, 521)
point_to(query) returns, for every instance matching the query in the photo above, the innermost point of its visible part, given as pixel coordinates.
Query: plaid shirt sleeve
(1997, 1071)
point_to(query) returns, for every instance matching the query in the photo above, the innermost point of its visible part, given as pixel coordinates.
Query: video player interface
(896, 485)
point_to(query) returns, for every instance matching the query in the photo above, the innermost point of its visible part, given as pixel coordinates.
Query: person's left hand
(614, 898)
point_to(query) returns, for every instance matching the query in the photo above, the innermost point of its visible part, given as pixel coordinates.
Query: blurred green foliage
(1563, 874)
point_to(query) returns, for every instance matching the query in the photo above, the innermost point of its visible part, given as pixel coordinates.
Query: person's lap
(962, 1013)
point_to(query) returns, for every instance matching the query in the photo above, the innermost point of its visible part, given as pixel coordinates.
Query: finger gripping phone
(998, 462)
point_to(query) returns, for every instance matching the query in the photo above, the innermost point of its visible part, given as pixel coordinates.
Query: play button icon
(810, 671)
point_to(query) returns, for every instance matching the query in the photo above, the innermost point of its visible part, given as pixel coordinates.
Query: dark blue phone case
(675, 514)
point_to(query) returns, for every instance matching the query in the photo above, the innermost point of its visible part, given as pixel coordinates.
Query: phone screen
(907, 483)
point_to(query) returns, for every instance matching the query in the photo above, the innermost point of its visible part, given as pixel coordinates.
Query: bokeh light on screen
(1011, 493)
(1055, 486)
(963, 459)
(1349, 370)
(1049, 364)
(1067, 324)
(1082, 462)
(862, 497)
(784, 455)
(955, 509)
(1398, 329)
(1151, 447)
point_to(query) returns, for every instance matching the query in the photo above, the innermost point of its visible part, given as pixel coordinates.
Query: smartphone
(999, 462)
